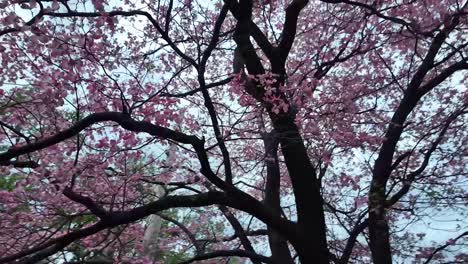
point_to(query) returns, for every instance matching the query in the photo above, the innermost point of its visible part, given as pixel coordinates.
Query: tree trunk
(312, 247)
(379, 233)
(278, 245)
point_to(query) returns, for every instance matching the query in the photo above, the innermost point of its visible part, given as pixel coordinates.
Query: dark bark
(379, 232)
(233, 197)
(311, 218)
(348, 250)
(230, 253)
(207, 98)
(114, 219)
(239, 232)
(311, 245)
(278, 245)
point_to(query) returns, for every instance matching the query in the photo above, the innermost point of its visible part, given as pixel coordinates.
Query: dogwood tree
(287, 131)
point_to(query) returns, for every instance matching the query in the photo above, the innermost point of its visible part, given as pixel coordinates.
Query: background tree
(267, 131)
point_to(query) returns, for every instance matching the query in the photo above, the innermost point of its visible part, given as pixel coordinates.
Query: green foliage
(7, 183)
(175, 257)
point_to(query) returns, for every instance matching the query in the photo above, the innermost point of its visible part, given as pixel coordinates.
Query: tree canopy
(232, 131)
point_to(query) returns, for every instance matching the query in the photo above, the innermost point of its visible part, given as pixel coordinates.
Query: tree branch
(290, 27)
(115, 219)
(123, 119)
(239, 232)
(444, 246)
(230, 253)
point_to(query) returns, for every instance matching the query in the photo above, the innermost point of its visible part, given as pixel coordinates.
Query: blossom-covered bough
(268, 131)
